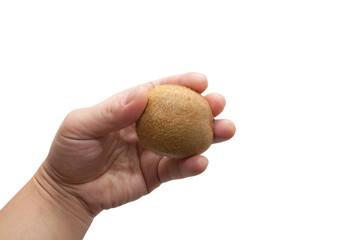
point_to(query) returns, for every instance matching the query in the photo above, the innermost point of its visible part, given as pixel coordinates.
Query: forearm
(38, 211)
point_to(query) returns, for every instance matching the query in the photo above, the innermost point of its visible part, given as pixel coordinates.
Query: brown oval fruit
(177, 122)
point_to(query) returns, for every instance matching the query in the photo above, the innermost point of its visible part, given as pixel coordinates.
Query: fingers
(171, 169)
(195, 81)
(224, 130)
(117, 112)
(217, 103)
(157, 169)
(149, 164)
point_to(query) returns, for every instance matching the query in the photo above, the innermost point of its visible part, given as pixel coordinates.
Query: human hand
(96, 156)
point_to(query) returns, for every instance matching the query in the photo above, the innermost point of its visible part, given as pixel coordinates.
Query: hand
(97, 158)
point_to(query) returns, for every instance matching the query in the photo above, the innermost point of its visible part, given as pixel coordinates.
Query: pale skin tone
(97, 163)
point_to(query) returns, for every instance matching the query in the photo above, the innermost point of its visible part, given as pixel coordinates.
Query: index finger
(192, 80)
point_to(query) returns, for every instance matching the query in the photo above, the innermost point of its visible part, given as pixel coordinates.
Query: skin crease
(96, 162)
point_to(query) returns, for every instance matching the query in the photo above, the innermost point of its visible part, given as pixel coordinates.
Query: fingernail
(131, 95)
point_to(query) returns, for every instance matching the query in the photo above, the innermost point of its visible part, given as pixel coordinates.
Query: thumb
(115, 113)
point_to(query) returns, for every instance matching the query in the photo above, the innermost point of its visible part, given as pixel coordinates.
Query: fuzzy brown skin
(177, 122)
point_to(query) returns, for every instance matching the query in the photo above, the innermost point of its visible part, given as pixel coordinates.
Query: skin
(96, 163)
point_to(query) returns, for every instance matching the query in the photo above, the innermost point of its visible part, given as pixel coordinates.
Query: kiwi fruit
(177, 122)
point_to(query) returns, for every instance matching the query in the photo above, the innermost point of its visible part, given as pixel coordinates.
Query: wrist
(42, 209)
(65, 207)
(60, 195)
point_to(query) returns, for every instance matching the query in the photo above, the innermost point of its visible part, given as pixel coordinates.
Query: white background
(290, 71)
